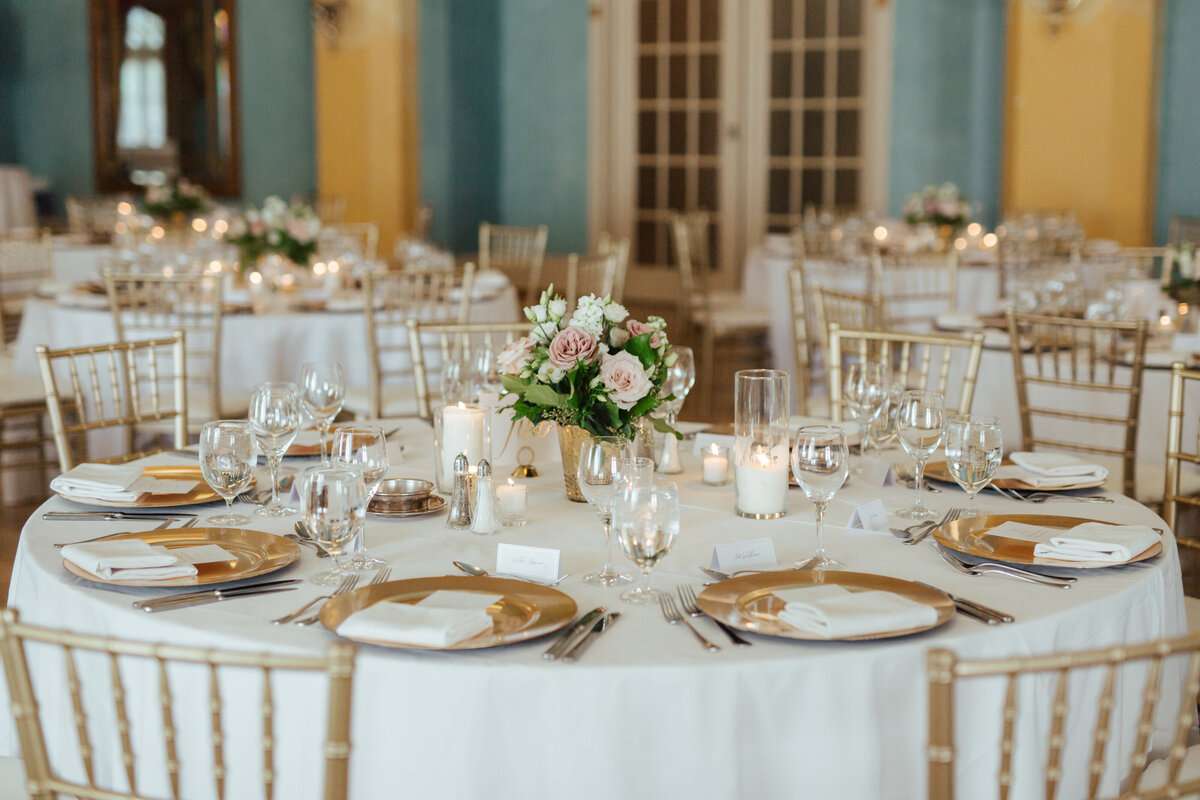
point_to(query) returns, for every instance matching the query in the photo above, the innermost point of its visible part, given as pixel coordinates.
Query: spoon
(304, 536)
(480, 572)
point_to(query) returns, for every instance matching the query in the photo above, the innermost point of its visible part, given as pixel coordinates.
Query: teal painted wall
(948, 99)
(45, 94)
(1179, 123)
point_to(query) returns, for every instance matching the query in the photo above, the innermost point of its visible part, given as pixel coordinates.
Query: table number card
(540, 564)
(743, 555)
(870, 516)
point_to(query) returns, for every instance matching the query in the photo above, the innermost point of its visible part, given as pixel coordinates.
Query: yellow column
(367, 114)
(1079, 123)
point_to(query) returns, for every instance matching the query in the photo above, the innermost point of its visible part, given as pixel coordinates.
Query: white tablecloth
(76, 263)
(646, 713)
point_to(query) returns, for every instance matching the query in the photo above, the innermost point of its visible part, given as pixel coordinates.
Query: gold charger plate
(254, 553)
(306, 449)
(971, 537)
(202, 493)
(527, 611)
(747, 603)
(939, 471)
(436, 503)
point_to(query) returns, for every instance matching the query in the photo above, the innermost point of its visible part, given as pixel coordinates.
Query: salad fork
(687, 598)
(379, 577)
(975, 570)
(950, 516)
(671, 614)
(346, 585)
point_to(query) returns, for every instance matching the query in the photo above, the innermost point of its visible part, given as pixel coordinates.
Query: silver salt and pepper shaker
(485, 521)
(460, 500)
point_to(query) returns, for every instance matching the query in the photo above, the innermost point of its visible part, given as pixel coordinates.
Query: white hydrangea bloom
(589, 315)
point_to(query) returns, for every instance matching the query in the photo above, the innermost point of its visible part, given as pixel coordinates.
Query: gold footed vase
(570, 443)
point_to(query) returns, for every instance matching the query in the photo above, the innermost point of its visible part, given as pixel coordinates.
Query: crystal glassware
(334, 500)
(866, 393)
(820, 462)
(645, 524)
(921, 425)
(364, 447)
(275, 420)
(227, 462)
(974, 449)
(323, 389)
(681, 377)
(599, 475)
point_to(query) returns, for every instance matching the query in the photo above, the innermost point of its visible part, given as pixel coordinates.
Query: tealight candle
(715, 464)
(511, 499)
(462, 432)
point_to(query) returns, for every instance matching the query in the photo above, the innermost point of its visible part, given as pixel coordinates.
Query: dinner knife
(217, 597)
(110, 515)
(174, 598)
(592, 634)
(981, 612)
(576, 629)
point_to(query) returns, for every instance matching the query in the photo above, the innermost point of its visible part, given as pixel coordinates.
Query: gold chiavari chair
(149, 305)
(119, 385)
(126, 657)
(595, 275)
(619, 248)
(25, 263)
(1084, 362)
(453, 342)
(391, 300)
(1174, 493)
(1049, 681)
(517, 252)
(848, 310)
(919, 361)
(804, 335)
(915, 288)
(24, 438)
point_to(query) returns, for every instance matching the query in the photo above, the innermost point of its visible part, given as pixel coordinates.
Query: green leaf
(544, 396)
(514, 384)
(640, 346)
(661, 426)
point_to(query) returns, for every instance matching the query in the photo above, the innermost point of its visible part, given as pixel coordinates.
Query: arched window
(143, 120)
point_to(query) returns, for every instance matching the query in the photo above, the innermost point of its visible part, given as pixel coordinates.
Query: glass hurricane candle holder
(760, 443)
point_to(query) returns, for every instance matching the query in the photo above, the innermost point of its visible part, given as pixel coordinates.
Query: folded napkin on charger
(118, 483)
(442, 619)
(1051, 469)
(832, 612)
(1091, 541)
(126, 559)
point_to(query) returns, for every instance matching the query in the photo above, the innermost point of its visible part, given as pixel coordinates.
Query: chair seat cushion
(727, 318)
(21, 389)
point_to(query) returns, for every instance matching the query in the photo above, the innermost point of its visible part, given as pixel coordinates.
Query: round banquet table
(647, 712)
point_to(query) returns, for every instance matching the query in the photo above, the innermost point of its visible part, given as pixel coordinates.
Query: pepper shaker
(460, 499)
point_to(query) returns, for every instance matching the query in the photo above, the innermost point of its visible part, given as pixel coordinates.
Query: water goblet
(820, 462)
(974, 448)
(921, 425)
(645, 523)
(866, 394)
(275, 420)
(323, 389)
(681, 377)
(334, 500)
(227, 462)
(366, 448)
(599, 475)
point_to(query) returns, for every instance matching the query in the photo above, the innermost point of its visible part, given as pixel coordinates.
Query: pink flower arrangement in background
(938, 205)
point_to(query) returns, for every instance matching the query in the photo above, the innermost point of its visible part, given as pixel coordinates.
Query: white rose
(615, 313)
(535, 314)
(558, 308)
(550, 373)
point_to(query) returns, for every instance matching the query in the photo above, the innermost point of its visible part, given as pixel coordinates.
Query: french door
(750, 109)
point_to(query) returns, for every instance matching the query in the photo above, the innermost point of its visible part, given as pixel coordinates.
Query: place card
(540, 564)
(870, 516)
(875, 472)
(749, 554)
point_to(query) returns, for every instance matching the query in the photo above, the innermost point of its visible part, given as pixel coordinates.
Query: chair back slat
(268, 738)
(517, 251)
(915, 287)
(849, 310)
(592, 274)
(452, 342)
(1008, 737)
(123, 728)
(1145, 723)
(1100, 733)
(217, 731)
(1184, 721)
(1177, 454)
(79, 711)
(801, 343)
(1058, 717)
(167, 706)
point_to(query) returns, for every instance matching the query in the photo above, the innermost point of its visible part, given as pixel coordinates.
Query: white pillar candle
(715, 465)
(462, 432)
(511, 498)
(761, 481)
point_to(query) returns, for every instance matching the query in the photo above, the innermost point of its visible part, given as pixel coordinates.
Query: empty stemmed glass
(599, 475)
(645, 523)
(364, 447)
(227, 462)
(866, 394)
(275, 419)
(974, 448)
(335, 505)
(921, 425)
(322, 389)
(681, 377)
(820, 462)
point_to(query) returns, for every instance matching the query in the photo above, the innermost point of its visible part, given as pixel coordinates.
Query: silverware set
(914, 534)
(1042, 497)
(577, 636)
(671, 613)
(204, 596)
(381, 575)
(691, 607)
(1008, 570)
(164, 521)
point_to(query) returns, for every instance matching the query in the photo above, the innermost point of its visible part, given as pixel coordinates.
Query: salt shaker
(460, 500)
(485, 521)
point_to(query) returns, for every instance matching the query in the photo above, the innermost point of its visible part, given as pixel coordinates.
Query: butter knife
(983, 613)
(204, 593)
(592, 634)
(576, 629)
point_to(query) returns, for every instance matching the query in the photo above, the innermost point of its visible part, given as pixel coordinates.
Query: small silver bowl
(403, 494)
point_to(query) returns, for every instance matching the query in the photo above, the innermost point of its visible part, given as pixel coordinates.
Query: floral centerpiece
(1179, 279)
(938, 206)
(289, 230)
(596, 371)
(175, 200)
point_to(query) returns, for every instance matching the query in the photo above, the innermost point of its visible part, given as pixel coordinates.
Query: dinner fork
(950, 516)
(687, 598)
(671, 613)
(346, 585)
(975, 570)
(161, 526)
(379, 577)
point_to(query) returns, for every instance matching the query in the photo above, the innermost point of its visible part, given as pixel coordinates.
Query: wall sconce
(1056, 11)
(328, 17)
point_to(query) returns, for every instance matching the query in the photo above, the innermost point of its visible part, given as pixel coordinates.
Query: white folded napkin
(832, 612)
(1091, 541)
(116, 483)
(127, 559)
(958, 320)
(440, 620)
(491, 280)
(1056, 469)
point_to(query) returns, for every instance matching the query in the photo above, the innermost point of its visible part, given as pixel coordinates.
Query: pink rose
(636, 328)
(570, 345)
(516, 356)
(625, 378)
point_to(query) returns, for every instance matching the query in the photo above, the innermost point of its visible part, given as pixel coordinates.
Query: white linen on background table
(776, 720)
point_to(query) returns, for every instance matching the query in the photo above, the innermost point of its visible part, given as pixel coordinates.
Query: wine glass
(364, 447)
(275, 419)
(646, 522)
(323, 389)
(974, 448)
(681, 377)
(883, 429)
(227, 462)
(921, 424)
(335, 505)
(866, 394)
(820, 462)
(599, 475)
